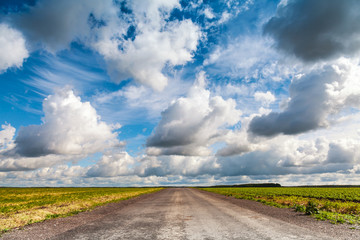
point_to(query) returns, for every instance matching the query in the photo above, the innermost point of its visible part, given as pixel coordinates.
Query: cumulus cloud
(111, 165)
(314, 30)
(136, 38)
(155, 44)
(70, 127)
(12, 48)
(313, 97)
(192, 123)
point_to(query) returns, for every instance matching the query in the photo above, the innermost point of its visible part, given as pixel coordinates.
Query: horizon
(179, 93)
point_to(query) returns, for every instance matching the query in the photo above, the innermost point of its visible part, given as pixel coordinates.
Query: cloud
(192, 123)
(314, 30)
(139, 103)
(12, 163)
(265, 98)
(156, 43)
(136, 38)
(111, 165)
(287, 155)
(313, 98)
(177, 166)
(343, 151)
(70, 127)
(7, 137)
(250, 57)
(12, 48)
(55, 24)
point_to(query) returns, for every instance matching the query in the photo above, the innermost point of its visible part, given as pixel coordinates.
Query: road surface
(183, 213)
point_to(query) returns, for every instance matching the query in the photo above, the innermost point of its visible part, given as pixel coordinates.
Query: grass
(338, 205)
(23, 206)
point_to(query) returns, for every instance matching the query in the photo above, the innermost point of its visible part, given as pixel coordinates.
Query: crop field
(22, 206)
(339, 205)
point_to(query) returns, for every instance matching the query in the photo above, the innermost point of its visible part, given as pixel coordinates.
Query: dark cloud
(313, 98)
(55, 24)
(313, 30)
(341, 153)
(306, 110)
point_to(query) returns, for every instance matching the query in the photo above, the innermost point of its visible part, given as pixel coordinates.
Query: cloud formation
(314, 30)
(136, 38)
(112, 165)
(12, 48)
(175, 165)
(55, 24)
(69, 127)
(266, 98)
(156, 43)
(313, 97)
(7, 137)
(192, 123)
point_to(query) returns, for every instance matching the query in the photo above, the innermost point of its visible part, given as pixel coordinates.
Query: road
(184, 213)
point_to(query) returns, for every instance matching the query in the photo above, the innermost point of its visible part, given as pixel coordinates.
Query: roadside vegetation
(338, 205)
(22, 206)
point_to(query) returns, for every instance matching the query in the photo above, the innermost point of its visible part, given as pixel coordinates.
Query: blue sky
(130, 93)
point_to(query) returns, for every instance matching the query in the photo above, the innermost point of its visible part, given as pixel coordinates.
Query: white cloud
(251, 58)
(138, 103)
(190, 124)
(7, 137)
(137, 44)
(208, 13)
(112, 165)
(266, 98)
(9, 162)
(70, 127)
(156, 44)
(177, 166)
(12, 48)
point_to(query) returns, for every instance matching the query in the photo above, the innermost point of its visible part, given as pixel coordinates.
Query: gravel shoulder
(52, 227)
(337, 231)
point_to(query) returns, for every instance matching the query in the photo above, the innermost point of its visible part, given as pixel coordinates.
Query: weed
(311, 208)
(300, 208)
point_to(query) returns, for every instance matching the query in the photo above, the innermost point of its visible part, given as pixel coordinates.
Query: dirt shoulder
(338, 231)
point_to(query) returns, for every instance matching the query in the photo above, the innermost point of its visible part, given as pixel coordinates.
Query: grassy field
(339, 205)
(22, 206)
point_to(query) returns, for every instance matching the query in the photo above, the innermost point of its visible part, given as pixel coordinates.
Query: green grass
(22, 206)
(338, 205)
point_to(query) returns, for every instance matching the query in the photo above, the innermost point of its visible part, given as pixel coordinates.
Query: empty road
(179, 213)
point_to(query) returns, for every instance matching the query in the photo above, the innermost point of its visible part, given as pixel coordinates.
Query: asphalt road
(187, 214)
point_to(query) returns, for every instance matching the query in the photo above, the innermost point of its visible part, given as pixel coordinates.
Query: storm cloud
(314, 30)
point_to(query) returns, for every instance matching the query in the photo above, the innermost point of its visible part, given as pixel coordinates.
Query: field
(22, 206)
(339, 205)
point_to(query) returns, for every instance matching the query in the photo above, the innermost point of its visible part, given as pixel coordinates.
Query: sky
(179, 92)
